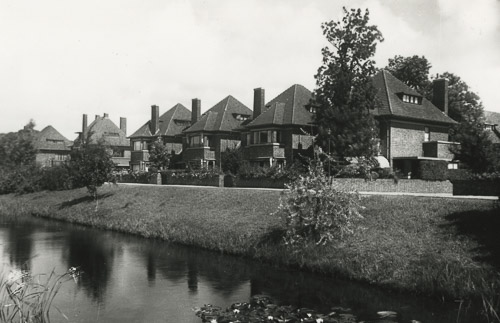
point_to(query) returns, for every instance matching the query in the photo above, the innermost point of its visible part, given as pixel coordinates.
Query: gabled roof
(103, 127)
(222, 117)
(288, 108)
(390, 104)
(51, 139)
(171, 123)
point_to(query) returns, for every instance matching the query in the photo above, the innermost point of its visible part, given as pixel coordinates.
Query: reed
(26, 298)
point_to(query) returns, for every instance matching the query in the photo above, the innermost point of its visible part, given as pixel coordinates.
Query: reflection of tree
(19, 245)
(94, 254)
(177, 263)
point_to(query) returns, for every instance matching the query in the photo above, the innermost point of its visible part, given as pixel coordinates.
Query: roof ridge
(387, 91)
(294, 95)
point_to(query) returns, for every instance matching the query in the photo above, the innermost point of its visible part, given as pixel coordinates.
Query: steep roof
(171, 123)
(103, 127)
(224, 116)
(390, 104)
(288, 108)
(51, 139)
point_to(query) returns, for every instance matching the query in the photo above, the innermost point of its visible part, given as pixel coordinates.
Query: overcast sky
(60, 59)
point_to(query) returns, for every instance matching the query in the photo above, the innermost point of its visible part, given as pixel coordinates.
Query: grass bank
(442, 247)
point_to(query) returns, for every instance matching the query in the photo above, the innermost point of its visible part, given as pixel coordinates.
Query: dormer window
(241, 117)
(408, 98)
(312, 109)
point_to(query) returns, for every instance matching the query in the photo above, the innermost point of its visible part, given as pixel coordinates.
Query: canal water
(132, 279)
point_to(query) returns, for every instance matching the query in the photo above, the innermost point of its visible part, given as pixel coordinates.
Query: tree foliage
(413, 71)
(91, 166)
(17, 148)
(159, 156)
(465, 107)
(345, 94)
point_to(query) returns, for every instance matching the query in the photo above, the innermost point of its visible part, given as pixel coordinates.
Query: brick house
(280, 129)
(102, 128)
(492, 126)
(52, 148)
(213, 132)
(168, 127)
(411, 127)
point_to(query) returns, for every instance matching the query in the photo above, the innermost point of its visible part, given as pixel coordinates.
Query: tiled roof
(222, 116)
(171, 123)
(50, 139)
(288, 108)
(103, 127)
(390, 104)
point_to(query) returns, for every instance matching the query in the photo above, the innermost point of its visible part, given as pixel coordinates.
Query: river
(132, 279)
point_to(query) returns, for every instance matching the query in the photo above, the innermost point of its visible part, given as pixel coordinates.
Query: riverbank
(442, 246)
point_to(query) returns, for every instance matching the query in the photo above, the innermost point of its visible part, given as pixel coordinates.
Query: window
(249, 138)
(453, 166)
(138, 145)
(427, 134)
(263, 137)
(410, 98)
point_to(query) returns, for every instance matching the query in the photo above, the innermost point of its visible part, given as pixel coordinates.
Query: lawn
(437, 246)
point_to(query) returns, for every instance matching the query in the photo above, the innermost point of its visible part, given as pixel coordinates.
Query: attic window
(54, 140)
(410, 98)
(312, 109)
(241, 117)
(112, 134)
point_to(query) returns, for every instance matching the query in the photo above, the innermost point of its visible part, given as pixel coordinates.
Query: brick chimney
(106, 116)
(96, 116)
(123, 125)
(195, 110)
(155, 119)
(440, 94)
(258, 101)
(84, 127)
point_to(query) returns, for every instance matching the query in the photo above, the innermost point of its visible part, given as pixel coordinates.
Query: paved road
(440, 195)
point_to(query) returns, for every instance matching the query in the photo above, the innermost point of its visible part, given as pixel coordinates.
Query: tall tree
(16, 148)
(344, 93)
(465, 107)
(413, 71)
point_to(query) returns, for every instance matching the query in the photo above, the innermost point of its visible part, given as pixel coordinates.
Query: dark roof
(103, 127)
(51, 139)
(171, 123)
(491, 117)
(390, 104)
(288, 108)
(222, 117)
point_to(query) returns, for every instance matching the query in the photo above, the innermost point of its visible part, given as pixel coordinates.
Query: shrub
(19, 179)
(196, 173)
(313, 210)
(433, 170)
(247, 171)
(56, 178)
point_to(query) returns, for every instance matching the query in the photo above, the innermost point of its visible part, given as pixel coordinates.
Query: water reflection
(129, 279)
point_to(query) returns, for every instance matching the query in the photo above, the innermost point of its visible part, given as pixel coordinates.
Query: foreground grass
(442, 247)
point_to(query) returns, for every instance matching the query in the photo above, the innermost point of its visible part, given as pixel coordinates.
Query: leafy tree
(16, 148)
(413, 71)
(91, 166)
(231, 160)
(159, 156)
(465, 107)
(345, 94)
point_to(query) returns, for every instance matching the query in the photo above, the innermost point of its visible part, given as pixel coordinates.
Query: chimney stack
(258, 101)
(123, 125)
(106, 115)
(440, 94)
(84, 127)
(96, 116)
(195, 110)
(155, 119)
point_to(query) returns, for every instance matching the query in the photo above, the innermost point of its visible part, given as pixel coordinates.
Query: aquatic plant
(26, 298)
(261, 309)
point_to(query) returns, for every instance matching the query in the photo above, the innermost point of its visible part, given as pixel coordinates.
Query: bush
(433, 170)
(315, 211)
(246, 171)
(195, 173)
(55, 178)
(20, 179)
